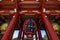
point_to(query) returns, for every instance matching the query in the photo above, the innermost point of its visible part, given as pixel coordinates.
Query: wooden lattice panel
(7, 5)
(52, 5)
(30, 5)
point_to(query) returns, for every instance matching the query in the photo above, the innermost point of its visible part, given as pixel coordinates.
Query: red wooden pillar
(19, 35)
(59, 36)
(10, 28)
(49, 27)
(39, 35)
(0, 37)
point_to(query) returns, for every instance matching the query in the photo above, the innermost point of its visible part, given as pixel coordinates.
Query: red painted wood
(19, 35)
(10, 28)
(0, 37)
(49, 27)
(40, 36)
